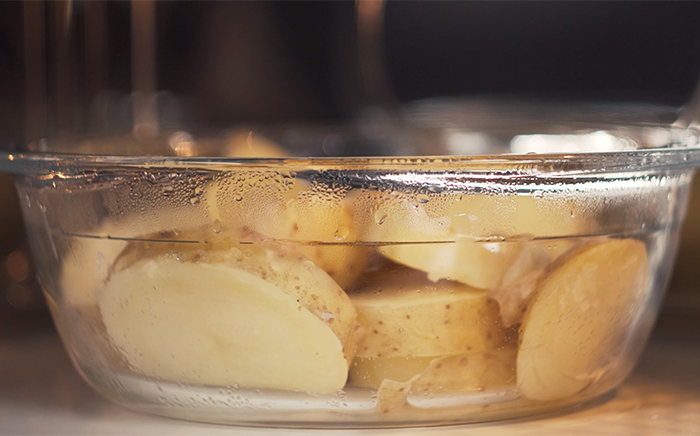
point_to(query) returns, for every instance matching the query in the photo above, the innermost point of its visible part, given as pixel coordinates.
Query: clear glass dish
(191, 281)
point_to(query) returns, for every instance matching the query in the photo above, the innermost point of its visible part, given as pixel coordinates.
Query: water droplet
(237, 197)
(379, 217)
(218, 227)
(537, 194)
(341, 233)
(308, 265)
(422, 198)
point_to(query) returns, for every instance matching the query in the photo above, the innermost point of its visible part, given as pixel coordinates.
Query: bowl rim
(678, 151)
(676, 157)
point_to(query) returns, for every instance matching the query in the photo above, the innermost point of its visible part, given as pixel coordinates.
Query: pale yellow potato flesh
(478, 265)
(86, 265)
(575, 327)
(282, 266)
(216, 325)
(317, 220)
(454, 227)
(407, 315)
(256, 316)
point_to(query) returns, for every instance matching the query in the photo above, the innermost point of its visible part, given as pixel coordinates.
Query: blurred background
(112, 68)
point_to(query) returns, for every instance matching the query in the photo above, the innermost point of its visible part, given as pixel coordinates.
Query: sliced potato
(480, 265)
(321, 215)
(454, 227)
(316, 218)
(462, 372)
(469, 372)
(406, 315)
(86, 266)
(575, 327)
(520, 281)
(257, 317)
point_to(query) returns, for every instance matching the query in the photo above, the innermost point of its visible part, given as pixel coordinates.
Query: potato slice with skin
(470, 372)
(316, 218)
(304, 214)
(462, 372)
(257, 317)
(520, 282)
(312, 216)
(460, 224)
(216, 325)
(281, 265)
(575, 327)
(406, 315)
(86, 266)
(480, 265)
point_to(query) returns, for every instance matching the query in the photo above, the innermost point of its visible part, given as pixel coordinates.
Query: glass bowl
(222, 279)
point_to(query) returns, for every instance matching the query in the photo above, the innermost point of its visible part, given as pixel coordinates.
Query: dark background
(276, 61)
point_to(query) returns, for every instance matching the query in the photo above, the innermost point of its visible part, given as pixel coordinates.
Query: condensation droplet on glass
(167, 190)
(308, 265)
(422, 198)
(237, 197)
(218, 227)
(537, 194)
(379, 217)
(341, 233)
(194, 200)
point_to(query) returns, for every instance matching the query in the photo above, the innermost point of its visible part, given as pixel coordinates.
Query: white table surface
(41, 393)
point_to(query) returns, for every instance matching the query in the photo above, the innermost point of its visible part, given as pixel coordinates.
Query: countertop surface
(41, 393)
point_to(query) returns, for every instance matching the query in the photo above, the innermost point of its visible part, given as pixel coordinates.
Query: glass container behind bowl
(434, 282)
